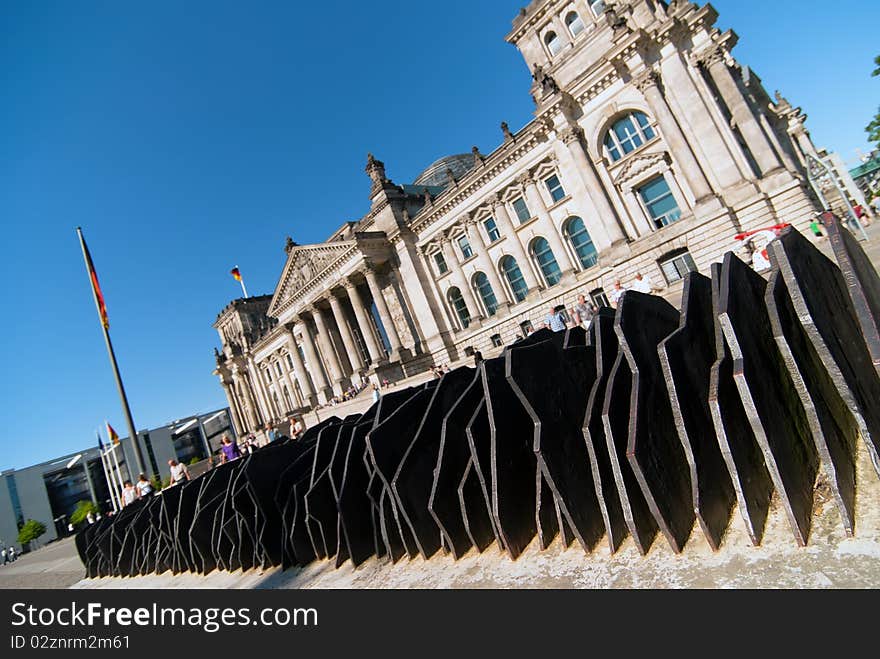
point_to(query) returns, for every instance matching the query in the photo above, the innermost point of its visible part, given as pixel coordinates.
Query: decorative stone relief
(398, 315)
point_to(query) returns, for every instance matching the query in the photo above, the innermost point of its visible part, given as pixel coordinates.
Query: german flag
(236, 274)
(96, 288)
(114, 437)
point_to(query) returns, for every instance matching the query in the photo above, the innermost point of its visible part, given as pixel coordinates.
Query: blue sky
(186, 138)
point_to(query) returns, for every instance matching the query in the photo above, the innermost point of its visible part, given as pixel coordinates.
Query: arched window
(514, 277)
(456, 301)
(484, 290)
(581, 242)
(598, 6)
(574, 23)
(628, 134)
(546, 261)
(554, 43)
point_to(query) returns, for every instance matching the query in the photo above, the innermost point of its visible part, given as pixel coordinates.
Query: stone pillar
(649, 85)
(299, 368)
(601, 207)
(260, 391)
(536, 203)
(321, 385)
(485, 261)
(516, 248)
(326, 343)
(384, 314)
(250, 406)
(363, 321)
(233, 408)
(354, 356)
(751, 130)
(291, 389)
(459, 279)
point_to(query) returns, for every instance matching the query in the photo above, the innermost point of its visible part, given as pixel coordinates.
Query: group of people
(581, 314)
(143, 488)
(8, 555)
(439, 371)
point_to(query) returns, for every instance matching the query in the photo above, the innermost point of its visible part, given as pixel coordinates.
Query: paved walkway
(56, 565)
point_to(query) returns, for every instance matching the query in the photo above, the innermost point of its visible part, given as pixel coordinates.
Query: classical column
(348, 341)
(384, 314)
(314, 360)
(604, 212)
(299, 368)
(260, 390)
(250, 406)
(536, 203)
(485, 260)
(516, 247)
(233, 408)
(291, 390)
(459, 279)
(649, 84)
(363, 321)
(326, 343)
(751, 130)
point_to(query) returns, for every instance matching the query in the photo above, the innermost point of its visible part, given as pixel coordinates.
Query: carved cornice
(710, 56)
(636, 166)
(570, 134)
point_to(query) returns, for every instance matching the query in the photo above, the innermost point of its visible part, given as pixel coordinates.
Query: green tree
(83, 508)
(873, 128)
(31, 530)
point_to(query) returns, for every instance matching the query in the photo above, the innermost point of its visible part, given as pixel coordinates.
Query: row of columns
(326, 371)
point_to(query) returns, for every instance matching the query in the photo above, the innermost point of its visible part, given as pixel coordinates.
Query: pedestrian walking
(179, 472)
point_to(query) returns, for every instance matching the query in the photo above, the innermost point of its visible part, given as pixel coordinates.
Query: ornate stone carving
(375, 169)
(545, 81)
(570, 134)
(636, 167)
(450, 177)
(479, 158)
(508, 136)
(429, 201)
(290, 244)
(647, 79)
(710, 56)
(307, 264)
(525, 179)
(613, 18)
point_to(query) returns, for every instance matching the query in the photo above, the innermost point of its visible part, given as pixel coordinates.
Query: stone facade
(651, 148)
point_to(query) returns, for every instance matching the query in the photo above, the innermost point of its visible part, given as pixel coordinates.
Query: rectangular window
(526, 327)
(289, 363)
(496, 340)
(522, 211)
(268, 374)
(599, 298)
(676, 267)
(465, 247)
(491, 229)
(278, 368)
(441, 263)
(554, 187)
(598, 6)
(659, 202)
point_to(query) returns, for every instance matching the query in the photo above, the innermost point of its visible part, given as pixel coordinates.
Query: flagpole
(107, 473)
(132, 433)
(241, 281)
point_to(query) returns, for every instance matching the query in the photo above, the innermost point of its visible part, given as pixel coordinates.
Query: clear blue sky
(188, 137)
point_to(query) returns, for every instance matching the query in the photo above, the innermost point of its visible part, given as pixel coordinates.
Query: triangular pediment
(306, 269)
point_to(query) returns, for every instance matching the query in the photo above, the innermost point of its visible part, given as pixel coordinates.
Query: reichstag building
(651, 148)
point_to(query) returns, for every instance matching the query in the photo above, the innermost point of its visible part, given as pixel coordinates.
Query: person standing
(179, 472)
(298, 427)
(129, 494)
(555, 320)
(271, 433)
(229, 451)
(643, 284)
(816, 228)
(376, 393)
(583, 312)
(616, 293)
(144, 486)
